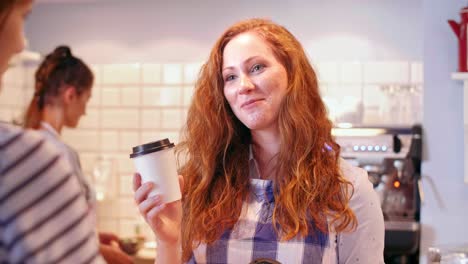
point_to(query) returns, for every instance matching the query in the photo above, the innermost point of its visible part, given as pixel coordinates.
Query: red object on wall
(460, 30)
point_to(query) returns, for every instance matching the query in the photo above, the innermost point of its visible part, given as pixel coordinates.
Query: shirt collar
(262, 189)
(47, 127)
(251, 156)
(253, 166)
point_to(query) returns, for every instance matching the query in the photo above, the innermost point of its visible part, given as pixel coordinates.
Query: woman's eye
(257, 67)
(229, 78)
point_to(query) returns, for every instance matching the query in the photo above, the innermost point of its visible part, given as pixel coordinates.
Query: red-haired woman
(263, 180)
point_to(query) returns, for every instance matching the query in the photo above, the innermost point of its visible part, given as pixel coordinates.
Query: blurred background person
(63, 86)
(44, 217)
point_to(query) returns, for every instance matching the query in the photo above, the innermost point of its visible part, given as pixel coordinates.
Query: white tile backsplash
(120, 118)
(188, 94)
(97, 71)
(6, 114)
(351, 72)
(173, 136)
(386, 72)
(191, 72)
(151, 118)
(82, 140)
(128, 227)
(150, 135)
(128, 140)
(109, 141)
(121, 74)
(13, 96)
(127, 208)
(14, 76)
(126, 186)
(124, 163)
(150, 96)
(170, 96)
(88, 160)
(29, 77)
(152, 73)
(108, 209)
(108, 225)
(95, 99)
(327, 72)
(130, 96)
(110, 96)
(171, 118)
(172, 74)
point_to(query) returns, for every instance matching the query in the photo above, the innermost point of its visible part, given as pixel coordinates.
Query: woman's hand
(113, 254)
(106, 238)
(163, 218)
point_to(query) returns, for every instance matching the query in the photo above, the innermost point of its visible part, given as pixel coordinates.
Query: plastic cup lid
(151, 147)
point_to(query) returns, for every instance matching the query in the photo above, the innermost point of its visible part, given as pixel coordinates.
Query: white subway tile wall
(119, 118)
(172, 74)
(327, 72)
(136, 103)
(151, 73)
(351, 72)
(6, 114)
(119, 74)
(110, 96)
(130, 96)
(386, 72)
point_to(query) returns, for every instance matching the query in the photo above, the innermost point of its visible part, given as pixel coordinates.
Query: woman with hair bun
(63, 87)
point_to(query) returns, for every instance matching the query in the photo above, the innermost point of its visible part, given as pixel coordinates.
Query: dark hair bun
(62, 52)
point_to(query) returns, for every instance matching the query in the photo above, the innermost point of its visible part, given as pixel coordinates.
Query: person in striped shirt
(44, 217)
(263, 178)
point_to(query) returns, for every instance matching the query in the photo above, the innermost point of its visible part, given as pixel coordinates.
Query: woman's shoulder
(352, 173)
(358, 177)
(366, 243)
(54, 139)
(8, 132)
(7, 128)
(14, 139)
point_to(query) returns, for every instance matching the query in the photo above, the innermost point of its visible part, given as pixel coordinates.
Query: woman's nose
(246, 84)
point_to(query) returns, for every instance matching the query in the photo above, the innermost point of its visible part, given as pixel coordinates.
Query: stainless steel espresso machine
(392, 158)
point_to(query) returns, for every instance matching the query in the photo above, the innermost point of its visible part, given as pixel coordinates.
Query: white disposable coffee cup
(155, 161)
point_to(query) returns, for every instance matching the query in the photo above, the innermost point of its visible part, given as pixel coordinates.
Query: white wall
(445, 212)
(177, 30)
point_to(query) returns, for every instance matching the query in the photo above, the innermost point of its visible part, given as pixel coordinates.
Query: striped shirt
(254, 239)
(44, 217)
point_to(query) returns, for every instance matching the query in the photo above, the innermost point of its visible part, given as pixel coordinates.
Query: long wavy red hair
(215, 145)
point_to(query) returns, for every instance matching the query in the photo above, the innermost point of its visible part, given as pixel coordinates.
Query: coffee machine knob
(398, 164)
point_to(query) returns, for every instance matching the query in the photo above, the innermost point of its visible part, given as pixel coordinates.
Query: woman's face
(76, 108)
(255, 82)
(11, 33)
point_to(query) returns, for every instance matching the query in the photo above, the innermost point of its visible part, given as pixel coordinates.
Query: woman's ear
(69, 94)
